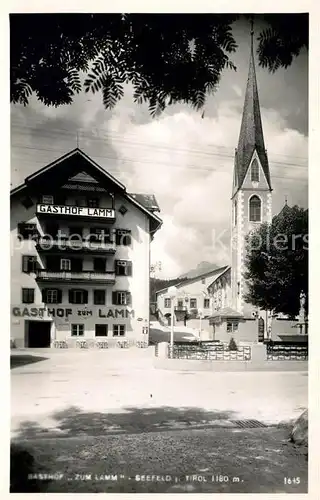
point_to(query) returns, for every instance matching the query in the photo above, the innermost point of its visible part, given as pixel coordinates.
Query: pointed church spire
(251, 133)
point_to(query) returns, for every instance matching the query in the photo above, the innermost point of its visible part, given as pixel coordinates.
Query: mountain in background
(202, 268)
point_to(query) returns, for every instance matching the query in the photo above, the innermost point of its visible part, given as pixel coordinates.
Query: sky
(185, 160)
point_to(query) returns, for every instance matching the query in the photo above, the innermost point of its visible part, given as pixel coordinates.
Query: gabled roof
(222, 270)
(147, 200)
(73, 165)
(227, 312)
(251, 133)
(187, 281)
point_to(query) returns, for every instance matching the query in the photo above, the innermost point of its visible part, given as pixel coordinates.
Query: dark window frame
(126, 265)
(26, 299)
(84, 296)
(115, 298)
(192, 301)
(119, 329)
(102, 326)
(255, 173)
(27, 230)
(123, 237)
(79, 332)
(255, 209)
(26, 261)
(93, 202)
(95, 301)
(167, 301)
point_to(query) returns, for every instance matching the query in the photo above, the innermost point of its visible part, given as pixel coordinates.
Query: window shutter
(25, 263)
(59, 296)
(114, 298)
(129, 268)
(71, 296)
(85, 296)
(44, 296)
(129, 299)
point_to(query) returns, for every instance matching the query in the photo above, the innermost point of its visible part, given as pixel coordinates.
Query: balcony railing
(47, 244)
(76, 276)
(180, 308)
(105, 214)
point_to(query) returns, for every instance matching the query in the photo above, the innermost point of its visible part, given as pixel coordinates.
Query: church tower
(251, 192)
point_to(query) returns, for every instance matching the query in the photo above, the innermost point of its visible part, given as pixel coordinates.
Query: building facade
(80, 256)
(203, 295)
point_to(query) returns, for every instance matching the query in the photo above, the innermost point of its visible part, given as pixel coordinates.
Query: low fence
(208, 351)
(282, 351)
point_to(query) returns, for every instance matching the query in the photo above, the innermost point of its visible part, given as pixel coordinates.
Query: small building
(202, 294)
(80, 256)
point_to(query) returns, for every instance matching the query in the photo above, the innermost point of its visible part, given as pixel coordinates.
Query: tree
(168, 58)
(277, 262)
(232, 345)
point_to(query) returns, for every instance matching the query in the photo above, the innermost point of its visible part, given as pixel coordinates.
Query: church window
(254, 171)
(255, 209)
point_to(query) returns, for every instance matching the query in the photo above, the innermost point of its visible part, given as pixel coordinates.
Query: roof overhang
(57, 173)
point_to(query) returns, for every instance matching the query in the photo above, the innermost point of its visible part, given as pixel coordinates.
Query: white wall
(139, 251)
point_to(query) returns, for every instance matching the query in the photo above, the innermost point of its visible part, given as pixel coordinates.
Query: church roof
(251, 133)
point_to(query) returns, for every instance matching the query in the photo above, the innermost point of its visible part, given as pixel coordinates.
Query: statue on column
(302, 311)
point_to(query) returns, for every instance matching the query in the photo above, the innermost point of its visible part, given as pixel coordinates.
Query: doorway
(38, 334)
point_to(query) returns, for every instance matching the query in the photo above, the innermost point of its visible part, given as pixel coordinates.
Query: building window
(180, 303)
(123, 268)
(77, 296)
(120, 298)
(65, 264)
(167, 303)
(52, 229)
(255, 209)
(123, 237)
(119, 330)
(203, 281)
(232, 326)
(99, 297)
(254, 171)
(206, 303)
(101, 330)
(27, 295)
(235, 212)
(99, 265)
(93, 202)
(75, 233)
(29, 263)
(52, 296)
(26, 231)
(77, 330)
(47, 199)
(193, 303)
(100, 235)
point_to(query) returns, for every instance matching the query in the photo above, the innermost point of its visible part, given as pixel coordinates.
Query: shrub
(232, 345)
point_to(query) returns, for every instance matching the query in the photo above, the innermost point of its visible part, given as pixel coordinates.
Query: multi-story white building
(80, 256)
(202, 295)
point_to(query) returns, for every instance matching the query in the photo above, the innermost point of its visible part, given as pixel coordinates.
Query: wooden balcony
(44, 275)
(54, 245)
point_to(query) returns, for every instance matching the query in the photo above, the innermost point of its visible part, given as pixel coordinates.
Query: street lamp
(172, 292)
(200, 312)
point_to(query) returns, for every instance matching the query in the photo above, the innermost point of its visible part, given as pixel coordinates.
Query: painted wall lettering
(59, 312)
(71, 210)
